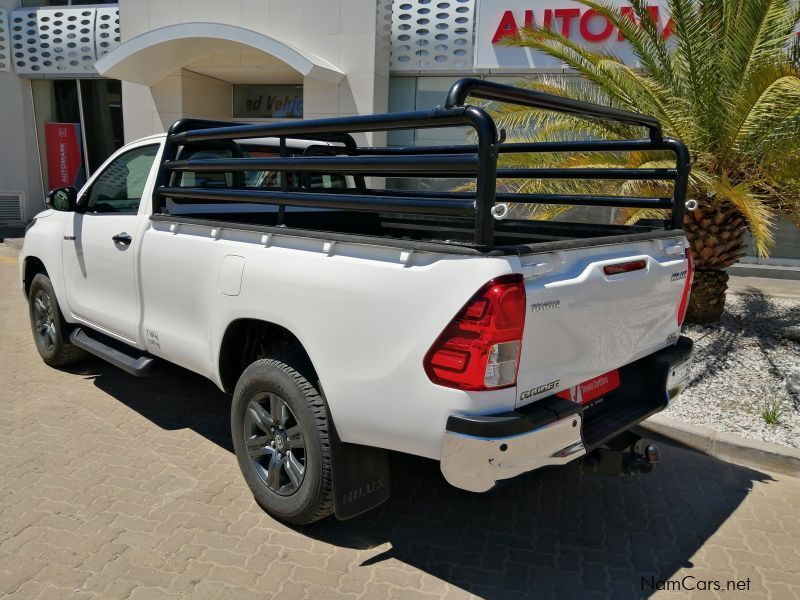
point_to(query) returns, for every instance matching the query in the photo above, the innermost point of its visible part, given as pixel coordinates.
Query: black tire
(270, 473)
(50, 330)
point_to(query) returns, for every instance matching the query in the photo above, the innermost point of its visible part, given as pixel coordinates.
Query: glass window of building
(420, 93)
(268, 101)
(102, 119)
(93, 106)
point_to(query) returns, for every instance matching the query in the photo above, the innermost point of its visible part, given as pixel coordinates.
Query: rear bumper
(479, 450)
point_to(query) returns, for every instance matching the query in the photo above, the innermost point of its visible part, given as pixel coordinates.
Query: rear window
(256, 179)
(261, 179)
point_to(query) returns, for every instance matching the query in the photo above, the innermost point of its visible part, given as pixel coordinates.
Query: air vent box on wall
(10, 207)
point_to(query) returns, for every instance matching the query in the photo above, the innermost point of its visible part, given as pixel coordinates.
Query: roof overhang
(151, 56)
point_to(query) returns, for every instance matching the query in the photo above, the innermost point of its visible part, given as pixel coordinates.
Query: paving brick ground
(114, 487)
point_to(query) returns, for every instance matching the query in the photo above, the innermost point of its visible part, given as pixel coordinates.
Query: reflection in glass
(420, 93)
(102, 114)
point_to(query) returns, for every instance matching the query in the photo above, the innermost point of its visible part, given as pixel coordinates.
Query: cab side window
(119, 187)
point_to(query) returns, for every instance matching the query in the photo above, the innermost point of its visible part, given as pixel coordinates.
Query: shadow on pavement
(550, 534)
(174, 399)
(760, 320)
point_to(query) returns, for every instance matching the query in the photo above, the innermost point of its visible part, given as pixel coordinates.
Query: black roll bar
(581, 173)
(641, 145)
(416, 165)
(571, 199)
(398, 204)
(476, 161)
(312, 129)
(489, 90)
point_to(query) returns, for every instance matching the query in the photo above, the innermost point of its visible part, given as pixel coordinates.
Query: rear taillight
(480, 348)
(687, 287)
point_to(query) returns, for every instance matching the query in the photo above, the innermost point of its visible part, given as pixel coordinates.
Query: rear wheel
(280, 433)
(50, 332)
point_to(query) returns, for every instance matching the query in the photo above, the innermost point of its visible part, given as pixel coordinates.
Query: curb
(764, 271)
(15, 243)
(728, 447)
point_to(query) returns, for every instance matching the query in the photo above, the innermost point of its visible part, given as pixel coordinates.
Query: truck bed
(228, 174)
(517, 237)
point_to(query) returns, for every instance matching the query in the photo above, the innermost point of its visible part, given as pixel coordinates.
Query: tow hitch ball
(625, 454)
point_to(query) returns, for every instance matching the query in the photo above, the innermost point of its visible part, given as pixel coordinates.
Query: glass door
(79, 125)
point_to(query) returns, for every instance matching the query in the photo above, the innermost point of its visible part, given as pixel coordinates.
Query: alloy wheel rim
(275, 444)
(44, 321)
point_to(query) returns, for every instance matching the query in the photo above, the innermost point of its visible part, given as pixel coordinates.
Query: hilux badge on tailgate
(679, 275)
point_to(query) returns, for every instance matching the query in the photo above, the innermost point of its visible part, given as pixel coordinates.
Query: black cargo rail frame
(477, 161)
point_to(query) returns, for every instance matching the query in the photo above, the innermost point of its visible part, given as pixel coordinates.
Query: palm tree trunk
(716, 236)
(708, 296)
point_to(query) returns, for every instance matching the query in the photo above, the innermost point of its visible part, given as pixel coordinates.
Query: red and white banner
(64, 160)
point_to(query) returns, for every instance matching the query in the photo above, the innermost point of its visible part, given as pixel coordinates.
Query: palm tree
(726, 82)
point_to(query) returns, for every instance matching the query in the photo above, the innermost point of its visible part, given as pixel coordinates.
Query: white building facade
(78, 79)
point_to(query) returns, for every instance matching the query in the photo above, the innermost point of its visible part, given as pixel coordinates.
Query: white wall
(343, 32)
(205, 97)
(148, 110)
(19, 162)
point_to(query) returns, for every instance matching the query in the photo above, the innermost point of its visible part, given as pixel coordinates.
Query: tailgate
(582, 322)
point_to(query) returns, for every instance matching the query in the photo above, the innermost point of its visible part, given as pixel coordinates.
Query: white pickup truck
(349, 317)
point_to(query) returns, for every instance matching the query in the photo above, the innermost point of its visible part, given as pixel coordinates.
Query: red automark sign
(592, 389)
(585, 24)
(498, 19)
(63, 154)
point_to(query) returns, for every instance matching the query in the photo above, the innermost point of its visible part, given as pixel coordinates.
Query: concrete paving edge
(15, 243)
(728, 447)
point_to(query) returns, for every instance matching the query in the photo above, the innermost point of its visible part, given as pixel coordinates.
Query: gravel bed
(740, 364)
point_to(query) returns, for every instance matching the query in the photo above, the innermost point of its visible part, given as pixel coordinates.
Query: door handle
(122, 238)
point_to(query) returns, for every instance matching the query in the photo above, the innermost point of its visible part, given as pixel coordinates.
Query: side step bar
(136, 364)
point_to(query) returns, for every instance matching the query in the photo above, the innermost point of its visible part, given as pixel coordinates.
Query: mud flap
(360, 477)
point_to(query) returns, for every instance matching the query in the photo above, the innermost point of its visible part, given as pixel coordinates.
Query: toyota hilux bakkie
(352, 309)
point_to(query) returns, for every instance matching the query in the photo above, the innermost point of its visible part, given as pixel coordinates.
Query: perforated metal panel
(62, 41)
(432, 35)
(5, 42)
(106, 30)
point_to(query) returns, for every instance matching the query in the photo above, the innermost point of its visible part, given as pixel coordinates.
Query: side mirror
(63, 199)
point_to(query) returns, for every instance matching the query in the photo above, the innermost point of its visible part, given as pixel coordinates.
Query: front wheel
(279, 427)
(48, 326)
